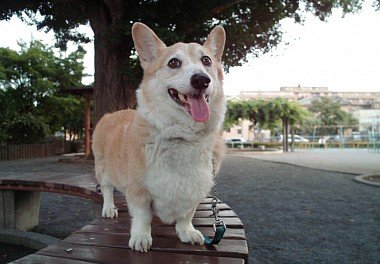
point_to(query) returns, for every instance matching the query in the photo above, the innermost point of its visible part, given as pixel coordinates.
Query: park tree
(65, 115)
(252, 28)
(30, 105)
(267, 113)
(252, 110)
(290, 114)
(328, 114)
(235, 111)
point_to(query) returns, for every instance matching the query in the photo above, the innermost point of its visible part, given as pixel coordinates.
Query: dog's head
(182, 80)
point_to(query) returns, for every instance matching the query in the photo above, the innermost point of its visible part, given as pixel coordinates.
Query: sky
(342, 54)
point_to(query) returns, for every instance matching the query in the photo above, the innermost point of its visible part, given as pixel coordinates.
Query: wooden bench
(106, 240)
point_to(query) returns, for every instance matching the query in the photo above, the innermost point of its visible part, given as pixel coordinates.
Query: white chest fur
(179, 175)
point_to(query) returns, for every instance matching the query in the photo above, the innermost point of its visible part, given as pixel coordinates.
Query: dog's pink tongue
(198, 107)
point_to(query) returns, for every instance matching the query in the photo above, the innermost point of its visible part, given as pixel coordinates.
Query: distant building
(369, 119)
(364, 106)
(243, 130)
(349, 101)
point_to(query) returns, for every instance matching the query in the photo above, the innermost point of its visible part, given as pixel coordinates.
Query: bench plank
(206, 207)
(159, 231)
(228, 248)
(222, 214)
(38, 259)
(124, 255)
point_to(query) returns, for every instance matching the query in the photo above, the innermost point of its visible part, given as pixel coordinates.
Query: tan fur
(145, 151)
(121, 150)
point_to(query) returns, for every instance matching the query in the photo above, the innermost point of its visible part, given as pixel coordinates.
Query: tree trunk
(112, 88)
(285, 133)
(111, 92)
(284, 139)
(292, 135)
(87, 128)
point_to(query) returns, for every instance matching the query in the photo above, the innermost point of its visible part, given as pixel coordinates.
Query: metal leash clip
(219, 225)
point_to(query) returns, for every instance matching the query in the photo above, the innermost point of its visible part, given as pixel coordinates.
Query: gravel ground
(291, 214)
(61, 215)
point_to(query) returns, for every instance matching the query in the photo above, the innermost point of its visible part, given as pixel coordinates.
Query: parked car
(356, 136)
(236, 140)
(334, 139)
(297, 138)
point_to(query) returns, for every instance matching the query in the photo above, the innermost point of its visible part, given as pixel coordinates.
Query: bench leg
(19, 209)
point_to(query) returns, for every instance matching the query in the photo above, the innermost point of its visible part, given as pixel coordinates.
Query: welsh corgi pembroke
(160, 155)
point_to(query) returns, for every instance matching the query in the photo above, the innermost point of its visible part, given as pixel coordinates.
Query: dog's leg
(141, 237)
(186, 231)
(109, 209)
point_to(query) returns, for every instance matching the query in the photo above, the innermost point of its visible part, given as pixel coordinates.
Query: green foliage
(325, 115)
(275, 113)
(65, 113)
(235, 111)
(26, 128)
(327, 112)
(253, 110)
(252, 26)
(267, 114)
(30, 108)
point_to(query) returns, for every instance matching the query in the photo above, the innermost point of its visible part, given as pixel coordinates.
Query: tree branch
(221, 8)
(80, 4)
(116, 8)
(99, 16)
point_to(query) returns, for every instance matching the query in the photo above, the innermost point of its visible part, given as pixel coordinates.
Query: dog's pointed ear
(147, 44)
(215, 42)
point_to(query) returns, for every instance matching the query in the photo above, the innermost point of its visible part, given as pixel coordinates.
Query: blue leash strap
(219, 233)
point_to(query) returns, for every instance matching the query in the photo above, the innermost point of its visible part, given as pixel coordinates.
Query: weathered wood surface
(106, 240)
(82, 185)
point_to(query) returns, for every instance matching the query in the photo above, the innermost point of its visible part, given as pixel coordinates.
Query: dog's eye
(174, 63)
(206, 61)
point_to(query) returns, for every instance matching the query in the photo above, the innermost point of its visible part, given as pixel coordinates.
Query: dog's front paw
(110, 212)
(191, 236)
(141, 242)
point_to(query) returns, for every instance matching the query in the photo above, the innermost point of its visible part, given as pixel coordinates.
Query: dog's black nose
(200, 81)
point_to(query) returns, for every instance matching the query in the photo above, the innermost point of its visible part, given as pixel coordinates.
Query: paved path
(355, 161)
(295, 214)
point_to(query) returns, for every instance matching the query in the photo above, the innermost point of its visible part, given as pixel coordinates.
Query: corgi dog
(160, 155)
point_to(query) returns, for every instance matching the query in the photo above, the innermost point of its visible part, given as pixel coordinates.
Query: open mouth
(195, 104)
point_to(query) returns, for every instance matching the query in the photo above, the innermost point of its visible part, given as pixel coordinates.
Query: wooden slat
(39, 259)
(230, 222)
(227, 248)
(205, 207)
(222, 214)
(124, 220)
(208, 200)
(159, 231)
(124, 255)
(84, 193)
